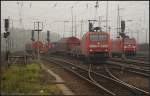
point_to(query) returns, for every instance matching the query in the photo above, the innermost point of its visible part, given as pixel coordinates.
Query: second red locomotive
(129, 47)
(32, 47)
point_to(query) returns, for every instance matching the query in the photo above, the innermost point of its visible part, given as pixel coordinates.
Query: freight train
(129, 47)
(94, 46)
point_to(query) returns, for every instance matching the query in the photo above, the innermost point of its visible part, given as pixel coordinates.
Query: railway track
(103, 82)
(124, 76)
(141, 58)
(120, 72)
(132, 61)
(139, 62)
(131, 68)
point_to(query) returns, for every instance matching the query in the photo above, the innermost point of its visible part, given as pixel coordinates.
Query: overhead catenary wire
(107, 16)
(92, 4)
(96, 6)
(47, 12)
(89, 5)
(72, 18)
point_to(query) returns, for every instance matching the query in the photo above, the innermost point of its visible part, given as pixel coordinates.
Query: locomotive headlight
(125, 47)
(106, 49)
(91, 50)
(129, 45)
(104, 46)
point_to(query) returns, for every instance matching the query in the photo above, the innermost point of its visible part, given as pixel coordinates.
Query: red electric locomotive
(129, 47)
(36, 45)
(49, 45)
(94, 46)
(32, 47)
(46, 47)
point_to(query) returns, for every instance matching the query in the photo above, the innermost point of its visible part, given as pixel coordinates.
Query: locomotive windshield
(129, 41)
(96, 37)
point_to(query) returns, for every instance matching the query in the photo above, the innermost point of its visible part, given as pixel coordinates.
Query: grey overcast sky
(51, 11)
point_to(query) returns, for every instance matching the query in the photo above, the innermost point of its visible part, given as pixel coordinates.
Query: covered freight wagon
(66, 44)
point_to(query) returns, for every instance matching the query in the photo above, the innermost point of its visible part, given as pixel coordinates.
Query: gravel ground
(133, 79)
(136, 80)
(76, 85)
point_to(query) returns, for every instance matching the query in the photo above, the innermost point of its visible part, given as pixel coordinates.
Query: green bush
(25, 80)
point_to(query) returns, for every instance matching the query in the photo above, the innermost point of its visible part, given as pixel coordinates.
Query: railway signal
(6, 25)
(32, 35)
(123, 35)
(122, 25)
(48, 36)
(118, 20)
(38, 28)
(6, 34)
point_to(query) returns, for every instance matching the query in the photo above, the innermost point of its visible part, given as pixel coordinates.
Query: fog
(23, 14)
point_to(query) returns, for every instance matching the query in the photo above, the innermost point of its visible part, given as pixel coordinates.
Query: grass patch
(27, 80)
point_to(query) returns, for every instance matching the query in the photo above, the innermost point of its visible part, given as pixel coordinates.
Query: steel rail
(107, 77)
(140, 63)
(136, 70)
(72, 69)
(89, 72)
(129, 86)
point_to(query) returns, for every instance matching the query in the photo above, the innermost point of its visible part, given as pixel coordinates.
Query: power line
(72, 18)
(107, 16)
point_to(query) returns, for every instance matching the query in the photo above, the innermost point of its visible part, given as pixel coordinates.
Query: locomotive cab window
(96, 37)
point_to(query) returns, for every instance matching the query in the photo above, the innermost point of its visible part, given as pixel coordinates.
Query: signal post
(38, 28)
(6, 35)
